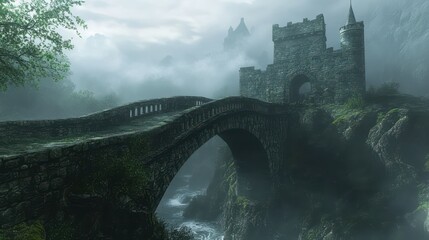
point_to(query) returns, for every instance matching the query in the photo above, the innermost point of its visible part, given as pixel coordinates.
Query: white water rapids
(171, 209)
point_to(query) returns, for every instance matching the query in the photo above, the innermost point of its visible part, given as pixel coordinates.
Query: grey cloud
(394, 39)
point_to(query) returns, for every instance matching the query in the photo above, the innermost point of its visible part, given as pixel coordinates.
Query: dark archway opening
(251, 161)
(233, 151)
(300, 89)
(191, 182)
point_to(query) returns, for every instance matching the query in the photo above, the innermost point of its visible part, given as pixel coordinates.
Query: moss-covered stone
(140, 145)
(113, 178)
(66, 230)
(427, 163)
(380, 116)
(61, 230)
(355, 102)
(24, 231)
(107, 199)
(243, 202)
(343, 114)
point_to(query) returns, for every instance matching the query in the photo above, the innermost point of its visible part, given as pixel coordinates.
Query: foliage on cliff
(24, 231)
(65, 230)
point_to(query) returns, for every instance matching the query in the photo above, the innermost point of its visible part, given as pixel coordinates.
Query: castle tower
(353, 47)
(236, 38)
(288, 40)
(304, 70)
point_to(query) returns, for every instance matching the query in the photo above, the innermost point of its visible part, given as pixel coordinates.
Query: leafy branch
(31, 46)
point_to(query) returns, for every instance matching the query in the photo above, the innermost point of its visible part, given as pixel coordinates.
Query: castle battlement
(305, 70)
(300, 29)
(355, 26)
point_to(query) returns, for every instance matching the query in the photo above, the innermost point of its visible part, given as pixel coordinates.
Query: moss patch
(345, 115)
(316, 232)
(64, 230)
(37, 230)
(140, 145)
(243, 202)
(423, 197)
(423, 206)
(60, 231)
(230, 177)
(24, 231)
(427, 163)
(380, 117)
(355, 102)
(114, 178)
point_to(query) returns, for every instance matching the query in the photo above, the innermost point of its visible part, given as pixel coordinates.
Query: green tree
(31, 46)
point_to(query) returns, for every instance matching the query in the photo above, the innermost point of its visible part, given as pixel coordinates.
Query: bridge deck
(35, 143)
(27, 137)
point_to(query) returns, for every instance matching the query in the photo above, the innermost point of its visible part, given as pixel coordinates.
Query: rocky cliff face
(358, 171)
(397, 39)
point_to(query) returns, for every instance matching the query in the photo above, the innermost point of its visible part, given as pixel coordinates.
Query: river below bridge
(171, 210)
(192, 180)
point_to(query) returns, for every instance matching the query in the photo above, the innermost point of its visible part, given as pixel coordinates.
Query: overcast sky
(126, 40)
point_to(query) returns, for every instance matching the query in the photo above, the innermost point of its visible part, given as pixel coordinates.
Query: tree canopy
(31, 45)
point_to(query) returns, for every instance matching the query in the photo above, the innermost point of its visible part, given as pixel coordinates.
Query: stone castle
(301, 60)
(237, 37)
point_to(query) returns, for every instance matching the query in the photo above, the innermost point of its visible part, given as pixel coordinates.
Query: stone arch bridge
(39, 160)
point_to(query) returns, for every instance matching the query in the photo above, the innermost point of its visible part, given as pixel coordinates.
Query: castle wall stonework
(301, 56)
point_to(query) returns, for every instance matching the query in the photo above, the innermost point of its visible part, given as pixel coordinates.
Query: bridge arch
(253, 130)
(251, 159)
(244, 155)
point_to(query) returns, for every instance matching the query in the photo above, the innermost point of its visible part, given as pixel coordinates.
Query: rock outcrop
(350, 172)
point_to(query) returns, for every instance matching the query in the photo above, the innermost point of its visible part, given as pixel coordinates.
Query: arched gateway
(300, 89)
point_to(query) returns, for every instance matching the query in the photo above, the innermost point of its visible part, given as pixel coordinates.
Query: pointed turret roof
(230, 30)
(352, 19)
(242, 28)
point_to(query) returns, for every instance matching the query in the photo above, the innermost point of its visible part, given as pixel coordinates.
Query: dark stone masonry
(35, 182)
(301, 56)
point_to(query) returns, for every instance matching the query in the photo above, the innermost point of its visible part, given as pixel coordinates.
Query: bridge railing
(148, 107)
(191, 119)
(97, 121)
